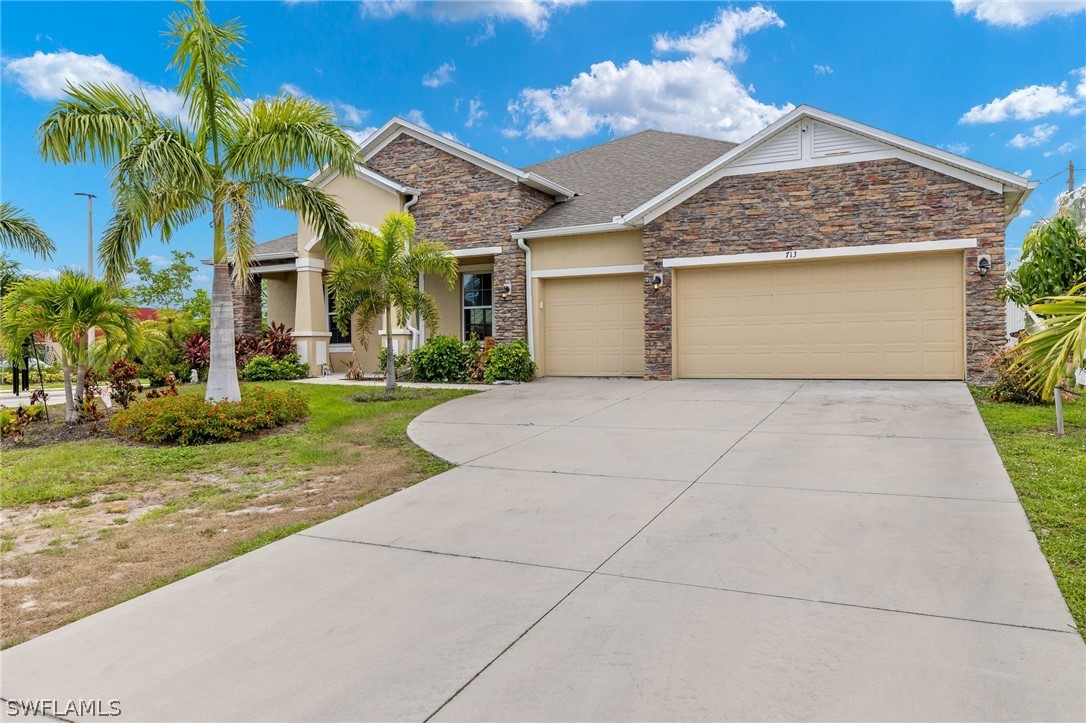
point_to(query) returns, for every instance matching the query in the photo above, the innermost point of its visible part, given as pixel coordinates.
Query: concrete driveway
(625, 550)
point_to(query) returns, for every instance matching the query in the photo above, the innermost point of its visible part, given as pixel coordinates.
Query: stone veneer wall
(885, 201)
(465, 206)
(248, 311)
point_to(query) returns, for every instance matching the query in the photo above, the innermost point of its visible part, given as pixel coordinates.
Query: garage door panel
(894, 317)
(594, 326)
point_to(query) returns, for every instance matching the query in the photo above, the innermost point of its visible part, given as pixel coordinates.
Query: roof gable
(808, 137)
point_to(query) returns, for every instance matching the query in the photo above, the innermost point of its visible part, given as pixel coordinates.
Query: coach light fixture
(507, 289)
(657, 279)
(984, 264)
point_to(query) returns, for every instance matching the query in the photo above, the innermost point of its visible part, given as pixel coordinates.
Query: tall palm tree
(229, 157)
(67, 308)
(19, 231)
(380, 280)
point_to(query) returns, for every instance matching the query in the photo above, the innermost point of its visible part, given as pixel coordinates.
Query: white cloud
(415, 116)
(1031, 103)
(475, 112)
(1063, 150)
(822, 69)
(958, 149)
(45, 76)
(440, 76)
(1028, 173)
(1040, 135)
(1025, 213)
(698, 94)
(360, 136)
(1016, 13)
(43, 273)
(511, 133)
(532, 14)
(719, 39)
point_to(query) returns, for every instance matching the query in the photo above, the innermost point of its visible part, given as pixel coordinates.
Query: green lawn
(1049, 473)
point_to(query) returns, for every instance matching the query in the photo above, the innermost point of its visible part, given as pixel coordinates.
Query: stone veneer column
(510, 311)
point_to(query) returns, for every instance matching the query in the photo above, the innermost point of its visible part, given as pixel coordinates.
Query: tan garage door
(594, 326)
(878, 317)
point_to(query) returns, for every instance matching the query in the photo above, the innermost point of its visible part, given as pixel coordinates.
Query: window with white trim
(478, 305)
(338, 337)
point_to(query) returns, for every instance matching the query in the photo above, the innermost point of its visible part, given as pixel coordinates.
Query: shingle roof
(285, 245)
(616, 177)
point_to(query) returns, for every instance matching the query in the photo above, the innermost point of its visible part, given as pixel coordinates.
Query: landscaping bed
(1049, 474)
(90, 523)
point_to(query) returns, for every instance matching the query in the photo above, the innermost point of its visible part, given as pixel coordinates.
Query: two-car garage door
(894, 316)
(885, 316)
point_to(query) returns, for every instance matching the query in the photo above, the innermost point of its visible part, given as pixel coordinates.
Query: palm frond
(275, 136)
(19, 231)
(239, 229)
(206, 57)
(1051, 356)
(95, 122)
(320, 211)
(433, 257)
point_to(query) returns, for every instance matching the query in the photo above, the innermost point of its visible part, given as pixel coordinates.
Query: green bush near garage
(509, 362)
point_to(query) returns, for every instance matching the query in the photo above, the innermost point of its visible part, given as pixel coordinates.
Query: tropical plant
(276, 341)
(1053, 261)
(442, 359)
(227, 158)
(268, 369)
(197, 351)
(19, 231)
(1051, 356)
(380, 280)
(67, 308)
(123, 382)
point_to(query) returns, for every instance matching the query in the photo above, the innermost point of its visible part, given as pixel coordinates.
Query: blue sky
(1002, 82)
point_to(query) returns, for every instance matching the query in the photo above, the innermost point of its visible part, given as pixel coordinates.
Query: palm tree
(1051, 355)
(229, 157)
(67, 308)
(380, 280)
(19, 231)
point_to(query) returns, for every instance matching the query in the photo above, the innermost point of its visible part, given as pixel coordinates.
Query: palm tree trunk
(80, 389)
(222, 375)
(70, 417)
(390, 361)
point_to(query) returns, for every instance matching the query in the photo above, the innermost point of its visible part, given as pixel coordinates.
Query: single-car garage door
(593, 326)
(896, 316)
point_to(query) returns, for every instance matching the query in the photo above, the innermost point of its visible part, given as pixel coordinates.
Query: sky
(1000, 82)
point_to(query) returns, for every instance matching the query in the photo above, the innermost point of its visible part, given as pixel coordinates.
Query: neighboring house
(819, 248)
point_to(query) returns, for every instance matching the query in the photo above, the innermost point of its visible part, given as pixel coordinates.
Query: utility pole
(1070, 176)
(90, 247)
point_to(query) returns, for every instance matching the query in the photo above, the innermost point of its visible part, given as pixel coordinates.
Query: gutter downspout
(417, 335)
(528, 295)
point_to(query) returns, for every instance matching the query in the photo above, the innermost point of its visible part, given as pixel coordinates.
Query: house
(819, 248)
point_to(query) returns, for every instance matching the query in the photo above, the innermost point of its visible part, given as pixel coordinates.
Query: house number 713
(790, 254)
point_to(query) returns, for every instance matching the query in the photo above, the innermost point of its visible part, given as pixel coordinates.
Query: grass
(1049, 473)
(125, 518)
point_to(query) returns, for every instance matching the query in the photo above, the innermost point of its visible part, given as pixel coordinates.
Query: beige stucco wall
(448, 305)
(363, 203)
(620, 248)
(282, 297)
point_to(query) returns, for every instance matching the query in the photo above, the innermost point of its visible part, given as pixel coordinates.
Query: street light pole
(90, 246)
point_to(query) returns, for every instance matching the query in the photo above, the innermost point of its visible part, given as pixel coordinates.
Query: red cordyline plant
(277, 341)
(197, 351)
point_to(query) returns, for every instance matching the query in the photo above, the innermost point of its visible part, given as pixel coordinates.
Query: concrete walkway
(624, 550)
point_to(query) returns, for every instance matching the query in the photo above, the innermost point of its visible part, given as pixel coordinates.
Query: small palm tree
(228, 158)
(67, 308)
(1051, 356)
(19, 231)
(381, 280)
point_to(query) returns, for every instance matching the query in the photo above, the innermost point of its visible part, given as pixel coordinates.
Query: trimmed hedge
(188, 419)
(442, 359)
(262, 368)
(509, 362)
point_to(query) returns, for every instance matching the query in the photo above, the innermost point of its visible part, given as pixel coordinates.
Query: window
(478, 305)
(338, 337)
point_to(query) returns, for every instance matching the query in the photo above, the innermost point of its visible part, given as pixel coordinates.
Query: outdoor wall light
(657, 279)
(984, 264)
(507, 289)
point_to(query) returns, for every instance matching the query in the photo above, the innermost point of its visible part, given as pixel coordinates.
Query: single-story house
(818, 248)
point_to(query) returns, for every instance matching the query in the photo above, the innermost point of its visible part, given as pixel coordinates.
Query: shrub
(512, 362)
(1012, 383)
(89, 411)
(399, 360)
(169, 389)
(277, 341)
(123, 384)
(188, 419)
(197, 351)
(442, 359)
(266, 369)
(50, 375)
(13, 422)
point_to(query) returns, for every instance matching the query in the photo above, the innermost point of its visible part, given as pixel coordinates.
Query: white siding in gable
(829, 140)
(784, 146)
